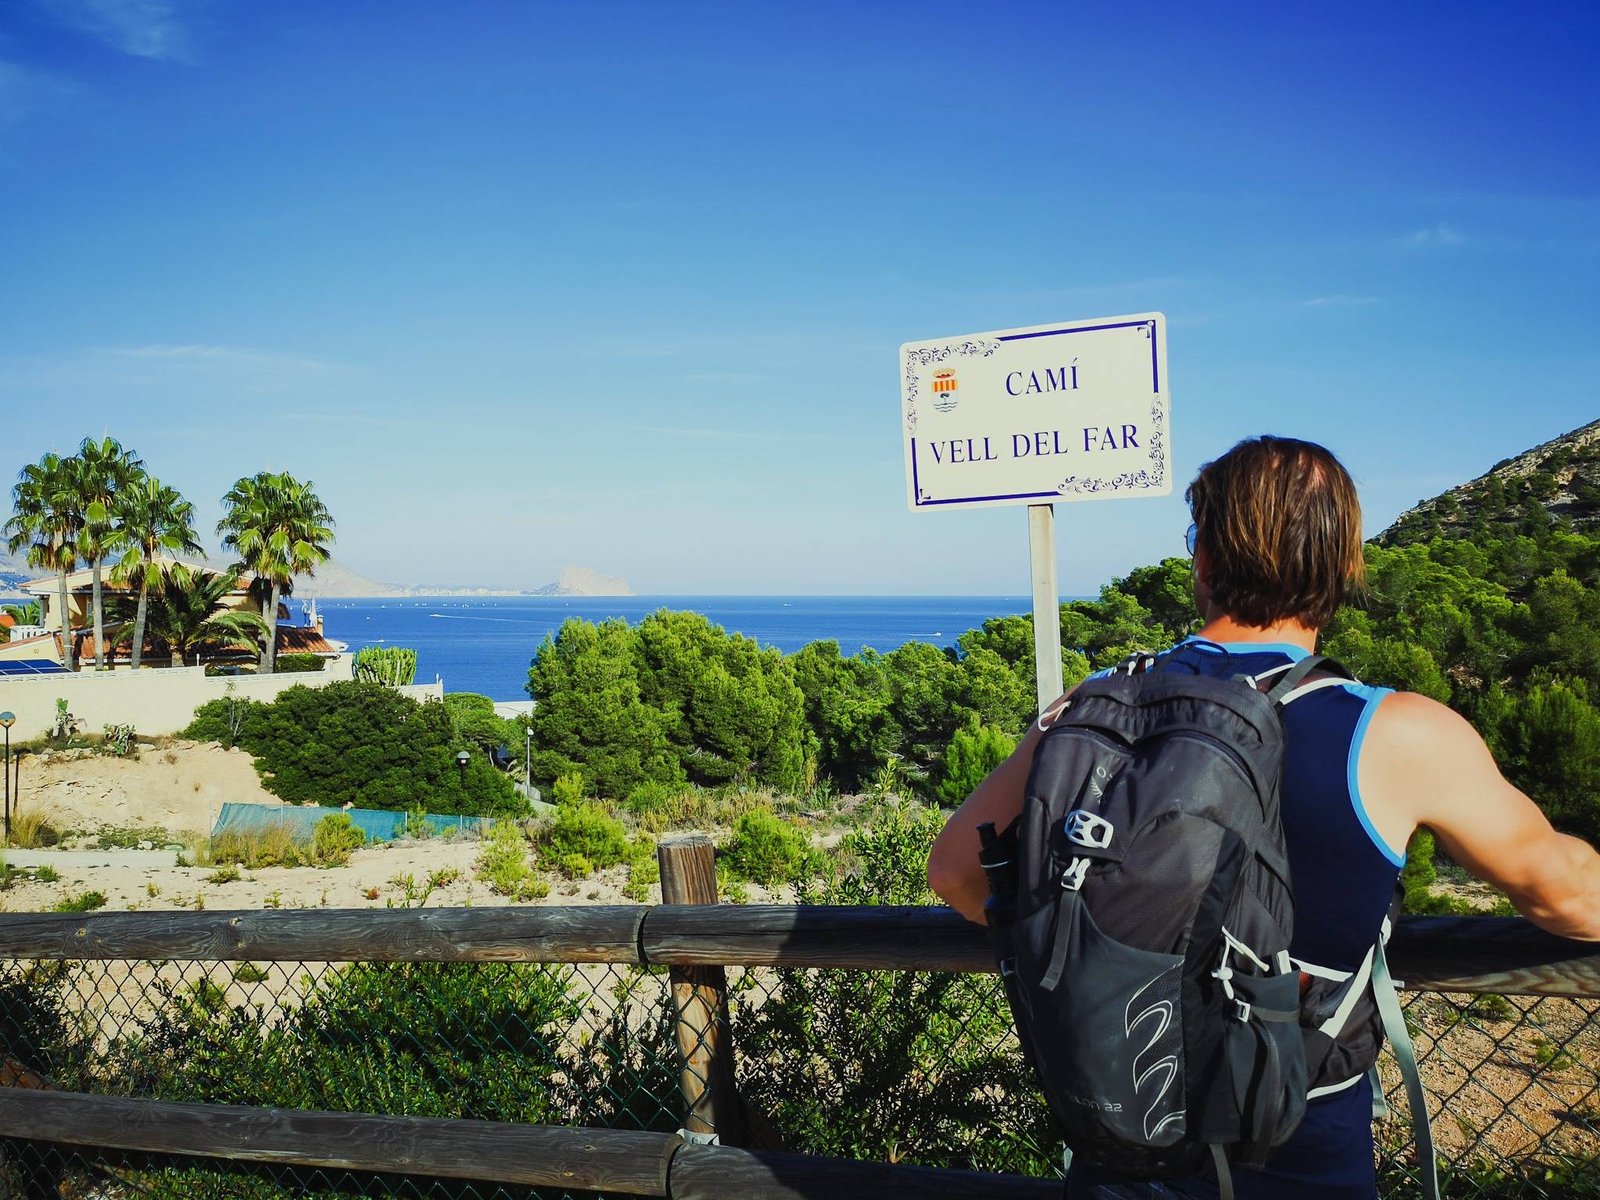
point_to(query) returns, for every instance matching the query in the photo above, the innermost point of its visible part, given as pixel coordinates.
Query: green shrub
(574, 865)
(768, 850)
(45, 1032)
(336, 838)
(1491, 1006)
(690, 807)
(298, 663)
(476, 723)
(31, 829)
(229, 721)
(128, 837)
(644, 872)
(651, 796)
(568, 788)
(917, 1066)
(587, 830)
(273, 845)
(503, 863)
(675, 698)
(1418, 876)
(359, 743)
(424, 1039)
(82, 902)
(974, 751)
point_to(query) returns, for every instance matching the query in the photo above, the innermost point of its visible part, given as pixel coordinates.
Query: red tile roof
(303, 639)
(292, 639)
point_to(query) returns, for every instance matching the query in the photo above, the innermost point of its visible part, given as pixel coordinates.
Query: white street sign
(1076, 411)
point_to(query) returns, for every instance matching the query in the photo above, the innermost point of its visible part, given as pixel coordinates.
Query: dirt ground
(163, 797)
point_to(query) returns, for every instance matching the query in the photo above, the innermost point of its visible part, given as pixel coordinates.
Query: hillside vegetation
(1486, 598)
(1554, 486)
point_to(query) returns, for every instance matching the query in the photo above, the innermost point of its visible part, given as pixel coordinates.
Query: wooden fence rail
(636, 1163)
(1446, 954)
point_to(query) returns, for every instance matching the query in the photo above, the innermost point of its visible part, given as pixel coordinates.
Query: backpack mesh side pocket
(1266, 1060)
(1108, 1036)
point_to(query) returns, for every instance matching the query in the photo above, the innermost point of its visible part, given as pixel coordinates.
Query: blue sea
(484, 644)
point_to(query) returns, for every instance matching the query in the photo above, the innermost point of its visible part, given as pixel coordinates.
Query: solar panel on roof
(30, 666)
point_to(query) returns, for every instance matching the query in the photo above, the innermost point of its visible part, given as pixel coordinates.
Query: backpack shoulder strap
(1385, 990)
(1292, 678)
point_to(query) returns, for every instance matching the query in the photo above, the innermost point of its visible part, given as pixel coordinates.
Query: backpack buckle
(1241, 1009)
(1089, 829)
(1072, 878)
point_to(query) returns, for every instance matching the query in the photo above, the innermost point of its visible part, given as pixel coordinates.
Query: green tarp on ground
(380, 825)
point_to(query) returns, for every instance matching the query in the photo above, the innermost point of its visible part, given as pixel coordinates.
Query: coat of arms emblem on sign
(944, 390)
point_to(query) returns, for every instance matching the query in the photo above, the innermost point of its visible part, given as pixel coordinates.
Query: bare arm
(953, 870)
(1422, 764)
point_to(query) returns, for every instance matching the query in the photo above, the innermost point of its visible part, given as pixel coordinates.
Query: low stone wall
(157, 700)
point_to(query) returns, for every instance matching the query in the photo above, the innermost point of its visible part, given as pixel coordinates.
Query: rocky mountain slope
(1556, 482)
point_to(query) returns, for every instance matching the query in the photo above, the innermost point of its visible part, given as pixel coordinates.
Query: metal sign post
(1046, 601)
(1048, 413)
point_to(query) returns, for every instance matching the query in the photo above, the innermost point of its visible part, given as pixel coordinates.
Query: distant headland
(334, 579)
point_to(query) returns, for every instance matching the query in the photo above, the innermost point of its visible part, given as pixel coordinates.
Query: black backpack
(1141, 916)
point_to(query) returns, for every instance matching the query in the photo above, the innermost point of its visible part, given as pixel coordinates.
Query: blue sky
(519, 285)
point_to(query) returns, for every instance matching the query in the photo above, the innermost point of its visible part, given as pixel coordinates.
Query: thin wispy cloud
(726, 377)
(188, 366)
(1120, 291)
(1338, 300)
(225, 357)
(736, 435)
(631, 350)
(348, 418)
(141, 28)
(1437, 235)
(23, 90)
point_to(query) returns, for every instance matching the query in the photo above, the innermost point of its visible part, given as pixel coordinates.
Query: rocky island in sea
(335, 579)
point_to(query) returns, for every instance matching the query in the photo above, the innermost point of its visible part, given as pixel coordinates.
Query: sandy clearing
(173, 794)
(178, 788)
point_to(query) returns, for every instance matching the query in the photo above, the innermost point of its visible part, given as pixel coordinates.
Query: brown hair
(1281, 527)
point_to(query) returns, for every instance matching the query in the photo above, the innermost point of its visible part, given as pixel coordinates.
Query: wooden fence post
(700, 999)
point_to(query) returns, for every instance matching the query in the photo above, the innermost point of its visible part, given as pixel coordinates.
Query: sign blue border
(1155, 389)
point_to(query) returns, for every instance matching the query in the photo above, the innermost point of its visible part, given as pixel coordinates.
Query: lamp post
(527, 766)
(462, 759)
(7, 720)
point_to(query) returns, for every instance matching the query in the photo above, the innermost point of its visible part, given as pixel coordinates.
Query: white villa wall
(159, 700)
(423, 691)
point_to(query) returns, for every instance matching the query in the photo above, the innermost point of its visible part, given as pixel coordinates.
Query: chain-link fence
(903, 1066)
(529, 1043)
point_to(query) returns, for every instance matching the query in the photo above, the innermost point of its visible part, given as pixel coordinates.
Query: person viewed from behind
(1276, 544)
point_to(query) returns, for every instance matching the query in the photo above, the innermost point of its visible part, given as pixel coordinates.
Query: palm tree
(279, 528)
(100, 470)
(45, 519)
(151, 521)
(188, 610)
(23, 614)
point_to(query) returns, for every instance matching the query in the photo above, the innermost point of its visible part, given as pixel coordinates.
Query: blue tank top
(1343, 875)
(1343, 872)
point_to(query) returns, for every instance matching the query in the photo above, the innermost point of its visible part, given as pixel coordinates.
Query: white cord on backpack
(1048, 718)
